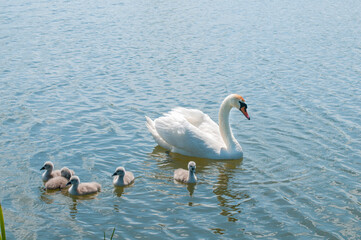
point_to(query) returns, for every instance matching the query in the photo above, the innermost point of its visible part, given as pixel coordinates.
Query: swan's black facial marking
(242, 104)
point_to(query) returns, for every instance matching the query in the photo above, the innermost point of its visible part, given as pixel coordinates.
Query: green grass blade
(112, 234)
(2, 224)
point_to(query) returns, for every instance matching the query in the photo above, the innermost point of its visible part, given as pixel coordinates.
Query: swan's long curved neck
(224, 127)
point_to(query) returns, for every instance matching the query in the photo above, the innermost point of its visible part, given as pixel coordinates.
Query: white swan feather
(193, 133)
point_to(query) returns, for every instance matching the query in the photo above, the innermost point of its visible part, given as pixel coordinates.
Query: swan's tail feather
(151, 127)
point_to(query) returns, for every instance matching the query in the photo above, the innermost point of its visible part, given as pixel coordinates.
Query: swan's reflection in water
(45, 195)
(229, 199)
(75, 200)
(191, 187)
(118, 191)
(169, 160)
(73, 208)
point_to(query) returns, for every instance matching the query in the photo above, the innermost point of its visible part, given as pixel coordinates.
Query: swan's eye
(242, 104)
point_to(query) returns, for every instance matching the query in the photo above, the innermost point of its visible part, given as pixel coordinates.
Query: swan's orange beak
(244, 111)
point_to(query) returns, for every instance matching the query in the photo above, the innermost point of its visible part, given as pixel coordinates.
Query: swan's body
(49, 173)
(122, 177)
(185, 176)
(193, 133)
(59, 181)
(78, 188)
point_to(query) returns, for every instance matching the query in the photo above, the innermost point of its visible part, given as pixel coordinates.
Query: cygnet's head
(120, 171)
(74, 180)
(192, 166)
(65, 172)
(48, 166)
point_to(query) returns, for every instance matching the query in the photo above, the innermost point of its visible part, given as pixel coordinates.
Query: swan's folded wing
(151, 127)
(185, 137)
(200, 120)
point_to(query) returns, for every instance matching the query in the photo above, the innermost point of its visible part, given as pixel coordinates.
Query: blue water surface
(78, 77)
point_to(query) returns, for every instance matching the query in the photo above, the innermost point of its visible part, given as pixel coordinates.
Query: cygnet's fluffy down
(78, 188)
(49, 173)
(122, 177)
(59, 181)
(185, 176)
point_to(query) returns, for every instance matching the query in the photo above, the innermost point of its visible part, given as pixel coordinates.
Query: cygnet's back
(78, 188)
(59, 181)
(122, 177)
(49, 173)
(185, 176)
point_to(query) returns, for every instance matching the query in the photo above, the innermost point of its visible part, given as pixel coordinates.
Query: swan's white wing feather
(202, 121)
(156, 137)
(189, 132)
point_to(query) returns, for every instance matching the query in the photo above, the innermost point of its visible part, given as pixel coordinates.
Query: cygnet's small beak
(244, 111)
(69, 183)
(42, 168)
(114, 174)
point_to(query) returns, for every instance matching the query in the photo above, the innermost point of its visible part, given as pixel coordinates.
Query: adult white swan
(193, 133)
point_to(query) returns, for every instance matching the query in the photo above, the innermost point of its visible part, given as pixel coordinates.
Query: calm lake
(78, 77)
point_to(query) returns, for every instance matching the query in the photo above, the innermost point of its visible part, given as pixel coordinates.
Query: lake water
(78, 77)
